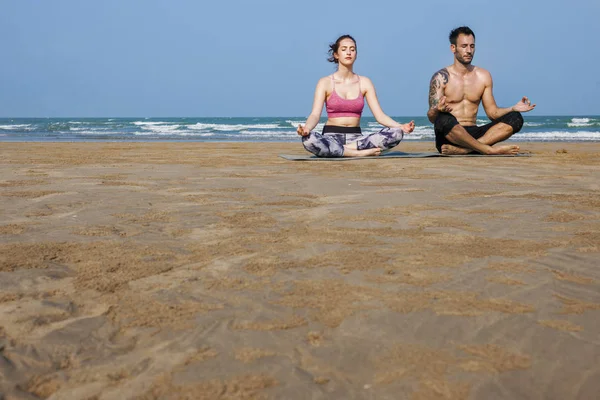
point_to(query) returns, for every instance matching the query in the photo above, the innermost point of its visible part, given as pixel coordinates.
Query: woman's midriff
(345, 121)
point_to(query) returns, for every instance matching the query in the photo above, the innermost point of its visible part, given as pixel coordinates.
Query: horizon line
(280, 116)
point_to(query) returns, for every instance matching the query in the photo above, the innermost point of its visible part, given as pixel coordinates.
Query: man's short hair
(465, 30)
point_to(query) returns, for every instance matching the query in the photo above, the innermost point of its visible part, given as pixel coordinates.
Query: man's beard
(463, 62)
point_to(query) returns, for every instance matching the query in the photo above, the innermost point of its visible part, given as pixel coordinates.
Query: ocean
(275, 129)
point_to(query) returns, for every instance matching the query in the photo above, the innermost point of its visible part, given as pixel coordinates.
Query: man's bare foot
(348, 152)
(512, 150)
(450, 150)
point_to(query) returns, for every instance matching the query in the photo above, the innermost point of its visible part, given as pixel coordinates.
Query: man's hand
(301, 131)
(408, 128)
(442, 106)
(524, 105)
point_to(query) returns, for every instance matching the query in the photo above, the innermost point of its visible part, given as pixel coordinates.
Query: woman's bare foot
(449, 150)
(512, 150)
(350, 152)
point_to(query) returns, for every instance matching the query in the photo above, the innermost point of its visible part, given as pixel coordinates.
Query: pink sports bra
(338, 107)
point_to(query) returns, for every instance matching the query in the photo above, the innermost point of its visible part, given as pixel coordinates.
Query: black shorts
(446, 121)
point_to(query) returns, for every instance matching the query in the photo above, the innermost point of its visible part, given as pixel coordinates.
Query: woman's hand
(302, 131)
(409, 127)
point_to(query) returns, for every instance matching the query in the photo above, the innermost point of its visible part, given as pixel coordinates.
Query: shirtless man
(454, 96)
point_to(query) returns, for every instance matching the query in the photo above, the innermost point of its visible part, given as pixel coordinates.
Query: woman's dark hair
(333, 47)
(465, 30)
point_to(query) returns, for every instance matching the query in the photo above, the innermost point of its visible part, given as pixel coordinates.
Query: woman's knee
(320, 146)
(394, 136)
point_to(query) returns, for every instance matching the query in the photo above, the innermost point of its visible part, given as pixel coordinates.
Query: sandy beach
(220, 271)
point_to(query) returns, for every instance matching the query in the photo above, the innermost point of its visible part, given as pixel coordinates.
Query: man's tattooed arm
(436, 92)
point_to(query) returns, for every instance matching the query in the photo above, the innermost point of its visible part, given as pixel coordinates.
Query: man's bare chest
(464, 88)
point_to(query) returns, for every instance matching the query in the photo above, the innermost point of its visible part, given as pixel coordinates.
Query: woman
(343, 93)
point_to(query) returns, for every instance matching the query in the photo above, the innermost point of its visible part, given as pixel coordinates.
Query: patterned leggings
(331, 144)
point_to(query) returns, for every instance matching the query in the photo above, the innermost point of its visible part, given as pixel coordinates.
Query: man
(454, 96)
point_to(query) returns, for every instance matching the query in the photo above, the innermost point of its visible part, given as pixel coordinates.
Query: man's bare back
(455, 93)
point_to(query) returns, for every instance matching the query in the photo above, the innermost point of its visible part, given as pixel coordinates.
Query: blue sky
(78, 58)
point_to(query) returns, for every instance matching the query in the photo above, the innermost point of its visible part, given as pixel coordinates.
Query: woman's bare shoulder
(365, 81)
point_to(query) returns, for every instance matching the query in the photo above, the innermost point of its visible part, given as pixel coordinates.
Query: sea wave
(99, 133)
(558, 136)
(88, 129)
(16, 127)
(550, 128)
(197, 134)
(579, 122)
(295, 123)
(231, 128)
(149, 123)
(287, 134)
(172, 134)
(161, 129)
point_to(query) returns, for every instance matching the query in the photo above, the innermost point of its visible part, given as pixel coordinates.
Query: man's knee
(514, 119)
(444, 123)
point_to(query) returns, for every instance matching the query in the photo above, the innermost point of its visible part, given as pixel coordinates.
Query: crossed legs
(337, 145)
(452, 138)
(465, 143)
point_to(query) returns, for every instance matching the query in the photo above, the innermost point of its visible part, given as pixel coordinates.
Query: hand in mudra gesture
(301, 131)
(524, 105)
(409, 127)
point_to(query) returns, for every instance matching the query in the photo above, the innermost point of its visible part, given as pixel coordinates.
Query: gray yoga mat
(391, 154)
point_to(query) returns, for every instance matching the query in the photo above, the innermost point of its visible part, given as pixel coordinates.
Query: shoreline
(276, 129)
(156, 270)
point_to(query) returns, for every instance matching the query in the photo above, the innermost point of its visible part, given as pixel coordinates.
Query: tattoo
(445, 75)
(438, 81)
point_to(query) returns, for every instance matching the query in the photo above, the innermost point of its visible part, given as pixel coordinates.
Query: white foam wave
(94, 132)
(269, 133)
(17, 126)
(161, 129)
(533, 124)
(146, 123)
(180, 133)
(421, 131)
(231, 127)
(579, 122)
(195, 134)
(426, 128)
(413, 136)
(318, 128)
(152, 133)
(558, 135)
(79, 129)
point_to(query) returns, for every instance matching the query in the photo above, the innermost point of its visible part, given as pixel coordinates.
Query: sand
(220, 271)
